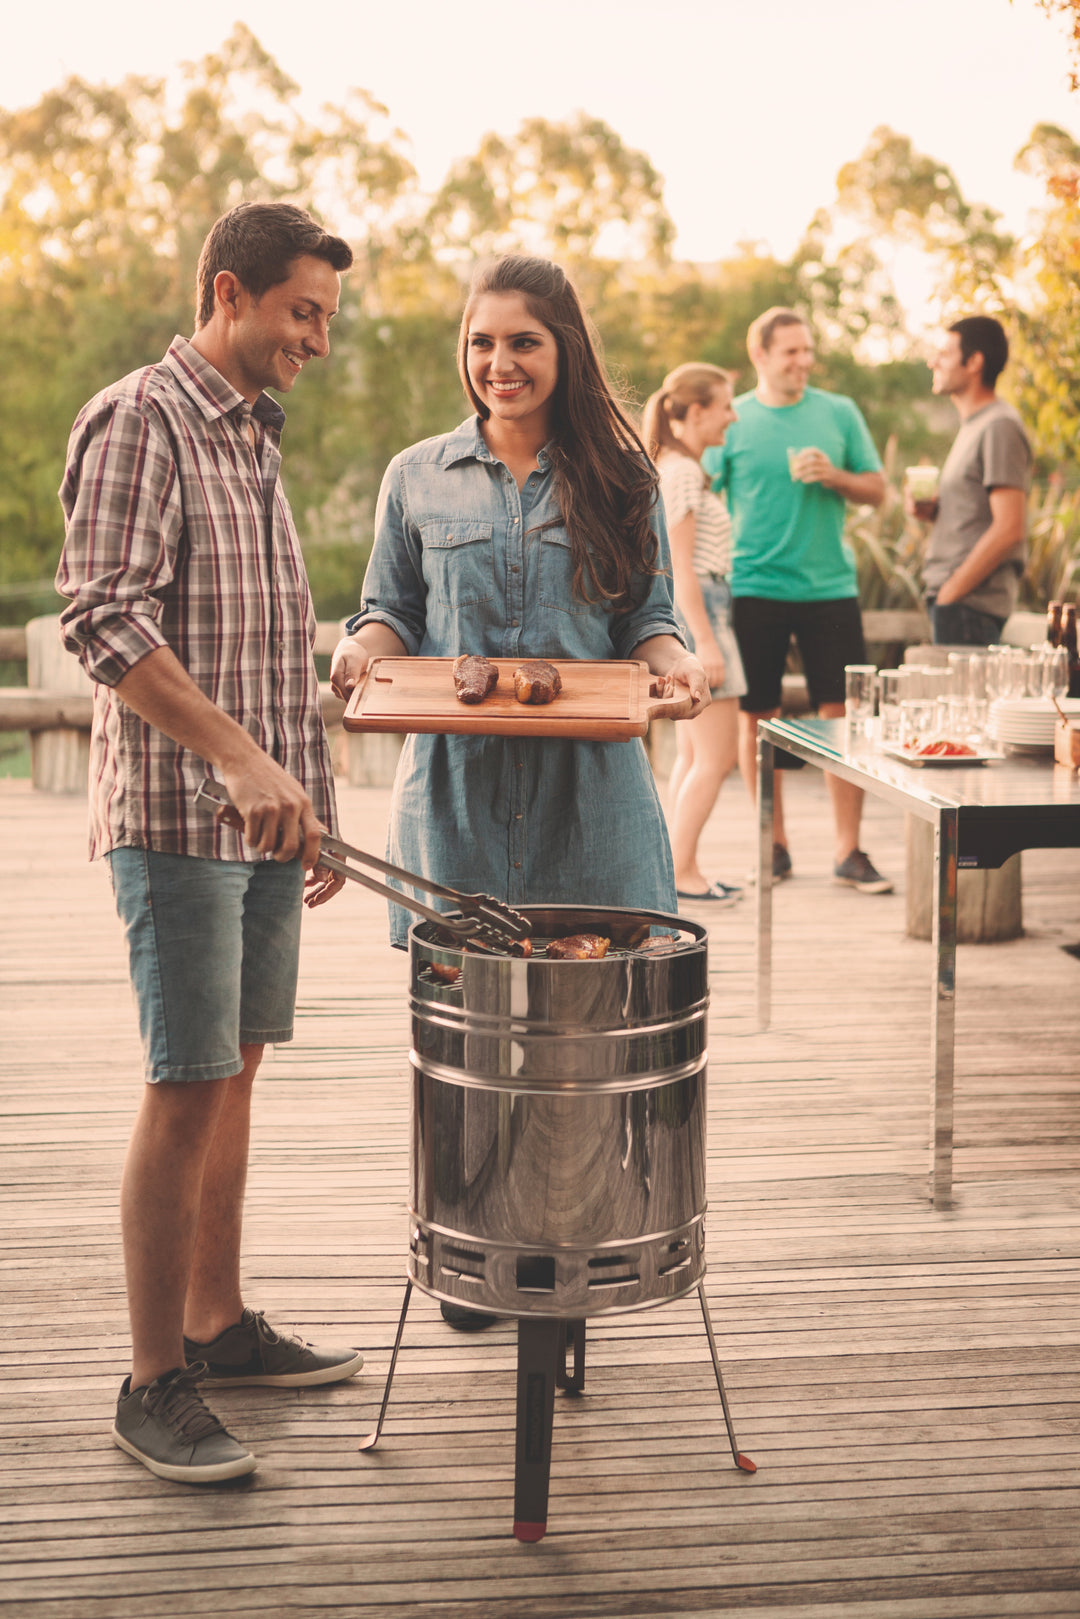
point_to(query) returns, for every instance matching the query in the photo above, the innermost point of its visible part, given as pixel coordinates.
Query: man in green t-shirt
(790, 462)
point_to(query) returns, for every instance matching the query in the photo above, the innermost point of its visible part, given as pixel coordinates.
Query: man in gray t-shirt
(975, 554)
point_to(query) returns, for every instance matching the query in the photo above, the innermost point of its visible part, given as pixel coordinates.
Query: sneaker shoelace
(180, 1407)
(269, 1336)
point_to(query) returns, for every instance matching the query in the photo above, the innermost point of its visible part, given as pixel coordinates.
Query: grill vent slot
(535, 1273)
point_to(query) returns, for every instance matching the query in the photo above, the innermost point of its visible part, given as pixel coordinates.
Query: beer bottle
(1068, 640)
(1053, 623)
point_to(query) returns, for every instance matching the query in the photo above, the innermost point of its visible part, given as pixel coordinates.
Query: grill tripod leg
(737, 1456)
(372, 1438)
(537, 1373)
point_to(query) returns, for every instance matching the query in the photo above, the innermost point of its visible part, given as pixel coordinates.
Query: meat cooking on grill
(579, 947)
(537, 681)
(660, 944)
(474, 678)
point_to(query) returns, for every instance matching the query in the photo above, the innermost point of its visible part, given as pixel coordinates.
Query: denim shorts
(716, 594)
(213, 947)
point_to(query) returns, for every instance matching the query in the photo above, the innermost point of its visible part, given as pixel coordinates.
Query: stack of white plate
(1027, 722)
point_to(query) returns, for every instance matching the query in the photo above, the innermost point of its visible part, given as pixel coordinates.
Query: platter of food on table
(938, 750)
(601, 701)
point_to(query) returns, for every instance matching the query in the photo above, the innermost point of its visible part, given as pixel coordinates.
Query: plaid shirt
(179, 534)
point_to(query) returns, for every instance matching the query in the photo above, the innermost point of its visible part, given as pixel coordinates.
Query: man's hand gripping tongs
(478, 920)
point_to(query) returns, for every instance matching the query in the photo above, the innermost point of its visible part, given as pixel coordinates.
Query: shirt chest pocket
(459, 562)
(556, 574)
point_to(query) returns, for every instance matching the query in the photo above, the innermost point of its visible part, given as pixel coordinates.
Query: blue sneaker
(858, 871)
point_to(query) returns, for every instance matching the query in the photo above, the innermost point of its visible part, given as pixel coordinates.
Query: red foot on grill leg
(745, 1463)
(530, 1531)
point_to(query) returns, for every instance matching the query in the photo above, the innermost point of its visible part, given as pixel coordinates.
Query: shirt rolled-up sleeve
(123, 523)
(394, 591)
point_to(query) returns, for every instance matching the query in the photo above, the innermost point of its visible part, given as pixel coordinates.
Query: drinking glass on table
(917, 719)
(859, 686)
(1055, 673)
(889, 689)
(917, 680)
(959, 690)
(952, 720)
(998, 672)
(978, 663)
(1019, 659)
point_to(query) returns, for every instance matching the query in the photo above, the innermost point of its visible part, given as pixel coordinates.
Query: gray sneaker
(858, 871)
(167, 1427)
(252, 1352)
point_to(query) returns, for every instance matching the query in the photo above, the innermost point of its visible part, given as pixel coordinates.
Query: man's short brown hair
(260, 242)
(764, 329)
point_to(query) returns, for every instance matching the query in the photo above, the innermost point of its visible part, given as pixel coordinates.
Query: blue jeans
(959, 625)
(213, 947)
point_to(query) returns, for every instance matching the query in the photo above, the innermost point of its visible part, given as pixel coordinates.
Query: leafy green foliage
(107, 191)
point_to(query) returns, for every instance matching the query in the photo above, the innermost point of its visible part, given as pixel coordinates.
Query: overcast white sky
(747, 107)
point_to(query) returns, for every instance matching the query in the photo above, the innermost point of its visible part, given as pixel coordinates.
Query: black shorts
(829, 634)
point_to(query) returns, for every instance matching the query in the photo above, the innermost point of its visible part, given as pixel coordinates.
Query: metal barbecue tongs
(480, 920)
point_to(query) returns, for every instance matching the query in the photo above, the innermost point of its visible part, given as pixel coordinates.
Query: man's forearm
(1007, 520)
(988, 553)
(161, 691)
(278, 814)
(861, 488)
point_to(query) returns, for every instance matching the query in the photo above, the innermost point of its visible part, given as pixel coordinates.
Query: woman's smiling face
(512, 361)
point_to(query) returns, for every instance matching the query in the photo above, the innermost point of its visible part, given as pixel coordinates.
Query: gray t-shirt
(991, 451)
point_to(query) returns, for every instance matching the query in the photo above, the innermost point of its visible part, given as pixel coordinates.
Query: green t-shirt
(787, 536)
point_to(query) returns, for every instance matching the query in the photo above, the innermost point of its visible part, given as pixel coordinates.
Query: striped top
(179, 534)
(685, 488)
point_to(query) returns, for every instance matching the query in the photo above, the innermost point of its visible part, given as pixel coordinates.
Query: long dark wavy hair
(605, 484)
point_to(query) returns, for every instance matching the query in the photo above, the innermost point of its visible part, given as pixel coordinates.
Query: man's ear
(977, 354)
(228, 294)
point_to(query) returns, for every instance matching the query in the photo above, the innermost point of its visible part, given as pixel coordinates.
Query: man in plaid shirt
(190, 611)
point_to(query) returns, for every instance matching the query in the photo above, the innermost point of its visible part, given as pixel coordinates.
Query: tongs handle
(488, 919)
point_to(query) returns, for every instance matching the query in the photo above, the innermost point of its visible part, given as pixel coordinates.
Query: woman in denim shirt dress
(492, 539)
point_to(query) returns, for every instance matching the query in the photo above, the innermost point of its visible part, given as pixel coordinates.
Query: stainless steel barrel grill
(558, 1130)
(557, 1162)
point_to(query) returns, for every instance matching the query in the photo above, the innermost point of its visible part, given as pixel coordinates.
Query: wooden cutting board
(599, 702)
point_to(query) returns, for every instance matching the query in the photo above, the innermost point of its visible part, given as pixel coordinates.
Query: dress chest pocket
(459, 562)
(556, 574)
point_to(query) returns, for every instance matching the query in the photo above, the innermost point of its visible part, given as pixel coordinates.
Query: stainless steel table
(981, 815)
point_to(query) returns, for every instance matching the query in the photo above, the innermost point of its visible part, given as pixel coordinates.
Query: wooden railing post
(59, 757)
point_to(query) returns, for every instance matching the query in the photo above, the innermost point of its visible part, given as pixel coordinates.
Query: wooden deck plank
(905, 1378)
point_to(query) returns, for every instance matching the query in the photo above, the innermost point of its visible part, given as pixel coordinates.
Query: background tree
(106, 193)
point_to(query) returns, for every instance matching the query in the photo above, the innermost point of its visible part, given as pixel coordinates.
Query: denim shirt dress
(464, 561)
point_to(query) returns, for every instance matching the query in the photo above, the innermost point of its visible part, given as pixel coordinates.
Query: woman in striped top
(690, 412)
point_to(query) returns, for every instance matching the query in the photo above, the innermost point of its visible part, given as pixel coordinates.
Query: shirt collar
(466, 443)
(212, 395)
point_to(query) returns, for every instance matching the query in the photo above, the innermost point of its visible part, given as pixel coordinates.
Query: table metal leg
(943, 1009)
(766, 758)
(537, 1373)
